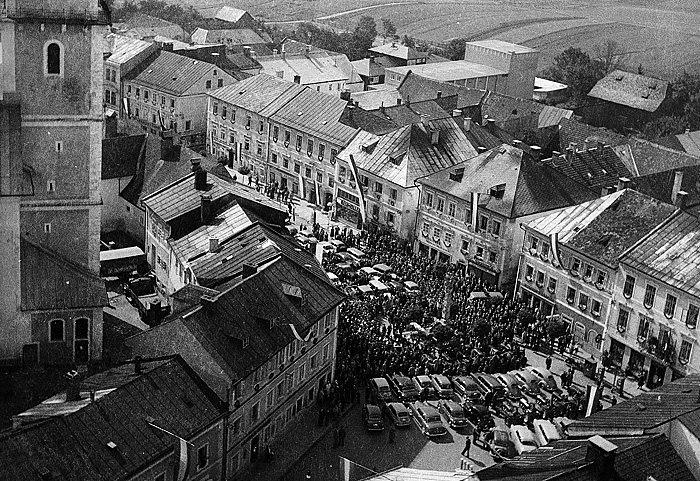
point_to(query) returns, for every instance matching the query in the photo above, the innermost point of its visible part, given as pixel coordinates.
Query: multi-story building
(471, 213)
(268, 358)
(396, 55)
(125, 423)
(389, 166)
(570, 260)
(170, 93)
(458, 72)
(122, 54)
(653, 327)
(51, 129)
(519, 61)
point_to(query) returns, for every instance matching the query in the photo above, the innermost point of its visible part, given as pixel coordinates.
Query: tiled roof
(649, 158)
(449, 71)
(143, 20)
(503, 108)
(369, 121)
(579, 133)
(73, 444)
(243, 61)
(635, 459)
(229, 37)
(406, 114)
(530, 187)
(263, 93)
(660, 186)
(191, 294)
(415, 88)
(122, 49)
(632, 90)
(595, 166)
(503, 47)
(690, 142)
(606, 227)
(171, 73)
(241, 313)
(316, 113)
(120, 155)
(399, 51)
(671, 254)
(49, 281)
(229, 14)
(368, 67)
(411, 147)
(312, 68)
(643, 413)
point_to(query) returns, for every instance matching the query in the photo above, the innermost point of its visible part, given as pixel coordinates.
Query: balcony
(67, 16)
(665, 353)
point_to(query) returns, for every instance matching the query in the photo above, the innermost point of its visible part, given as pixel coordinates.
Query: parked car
(404, 388)
(442, 386)
(480, 416)
(378, 286)
(411, 288)
(454, 413)
(398, 413)
(333, 278)
(345, 258)
(488, 384)
(428, 419)
(396, 286)
(360, 257)
(500, 444)
(523, 439)
(505, 408)
(368, 273)
(528, 382)
(467, 390)
(512, 386)
(372, 417)
(379, 387)
(338, 245)
(545, 432)
(383, 269)
(423, 382)
(547, 381)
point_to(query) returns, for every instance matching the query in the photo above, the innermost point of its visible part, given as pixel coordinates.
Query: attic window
(604, 240)
(498, 191)
(290, 290)
(150, 71)
(369, 146)
(246, 341)
(115, 452)
(300, 114)
(514, 112)
(457, 174)
(396, 158)
(619, 77)
(645, 95)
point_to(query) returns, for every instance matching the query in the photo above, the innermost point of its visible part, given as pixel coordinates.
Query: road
(343, 13)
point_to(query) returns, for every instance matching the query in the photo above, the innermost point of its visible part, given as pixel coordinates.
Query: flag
(360, 192)
(319, 200)
(592, 398)
(296, 334)
(183, 460)
(238, 152)
(162, 122)
(126, 107)
(475, 208)
(302, 186)
(345, 467)
(554, 241)
(350, 470)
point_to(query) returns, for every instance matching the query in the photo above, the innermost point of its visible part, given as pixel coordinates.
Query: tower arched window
(53, 58)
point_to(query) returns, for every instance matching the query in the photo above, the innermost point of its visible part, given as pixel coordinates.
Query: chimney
(681, 198)
(573, 146)
(345, 95)
(167, 47)
(490, 124)
(274, 51)
(569, 155)
(601, 148)
(166, 146)
(249, 270)
(426, 123)
(137, 365)
(601, 453)
(297, 79)
(312, 247)
(253, 55)
(677, 185)
(200, 177)
(398, 101)
(351, 110)
(535, 151)
(381, 109)
(246, 51)
(284, 54)
(622, 183)
(517, 143)
(481, 149)
(110, 126)
(73, 388)
(213, 244)
(467, 123)
(456, 113)
(205, 210)
(435, 137)
(439, 93)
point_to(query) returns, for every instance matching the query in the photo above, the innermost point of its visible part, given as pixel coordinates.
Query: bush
(244, 169)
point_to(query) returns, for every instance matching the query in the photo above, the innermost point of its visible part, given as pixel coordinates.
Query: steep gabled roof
(415, 88)
(312, 68)
(399, 51)
(661, 186)
(369, 121)
(73, 444)
(649, 158)
(595, 166)
(262, 94)
(170, 72)
(122, 48)
(50, 281)
(631, 90)
(503, 108)
(229, 14)
(530, 187)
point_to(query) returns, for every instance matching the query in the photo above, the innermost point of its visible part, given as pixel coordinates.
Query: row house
(267, 358)
(388, 167)
(569, 262)
(125, 423)
(170, 93)
(470, 213)
(122, 55)
(654, 324)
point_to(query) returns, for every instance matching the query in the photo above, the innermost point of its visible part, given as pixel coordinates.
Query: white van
(545, 432)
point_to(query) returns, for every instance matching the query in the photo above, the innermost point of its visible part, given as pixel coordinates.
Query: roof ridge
(659, 226)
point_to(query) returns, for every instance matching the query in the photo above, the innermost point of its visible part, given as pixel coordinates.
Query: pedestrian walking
(548, 362)
(640, 380)
(467, 446)
(392, 434)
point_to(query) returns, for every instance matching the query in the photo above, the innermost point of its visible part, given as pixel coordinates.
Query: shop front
(483, 272)
(535, 300)
(347, 209)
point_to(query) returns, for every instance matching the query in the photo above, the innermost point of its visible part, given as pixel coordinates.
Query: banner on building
(360, 192)
(592, 399)
(475, 208)
(127, 112)
(302, 186)
(554, 241)
(298, 337)
(319, 200)
(161, 121)
(184, 452)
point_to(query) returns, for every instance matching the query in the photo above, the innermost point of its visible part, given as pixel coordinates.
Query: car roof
(452, 404)
(336, 242)
(372, 408)
(354, 251)
(423, 377)
(398, 406)
(380, 381)
(428, 409)
(410, 284)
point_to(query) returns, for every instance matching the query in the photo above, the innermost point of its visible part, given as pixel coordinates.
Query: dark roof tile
(121, 155)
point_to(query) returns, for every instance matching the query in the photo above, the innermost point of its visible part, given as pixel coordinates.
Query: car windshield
(500, 437)
(432, 418)
(457, 412)
(443, 383)
(425, 383)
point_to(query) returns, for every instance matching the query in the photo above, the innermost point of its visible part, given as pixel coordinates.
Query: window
(202, 457)
(302, 372)
(255, 412)
(570, 295)
(188, 125)
(307, 172)
(47, 228)
(232, 138)
(378, 187)
(375, 211)
(56, 330)
(280, 391)
(107, 74)
(534, 242)
(429, 199)
(496, 228)
(270, 399)
(224, 111)
(552, 286)
(529, 272)
(649, 296)
(321, 151)
(575, 265)
(583, 301)
(287, 136)
(465, 245)
(691, 319)
(436, 232)
(53, 58)
(644, 324)
(326, 351)
(393, 194)
(220, 82)
(331, 181)
(684, 353)
(285, 162)
(145, 95)
(595, 307)
(261, 127)
(319, 177)
(259, 149)
(492, 258)
(602, 276)
(540, 278)
(479, 252)
(622, 320)
(309, 147)
(50, 186)
(81, 328)
(172, 103)
(440, 205)
(273, 158)
(670, 307)
(390, 218)
(138, 92)
(58, 146)
(314, 361)
(334, 153)
(300, 140)
(483, 222)
(544, 251)
(629, 286)
(208, 84)
(246, 143)
(275, 133)
(587, 271)
(297, 168)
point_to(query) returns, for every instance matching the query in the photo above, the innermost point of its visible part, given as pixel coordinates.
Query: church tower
(51, 296)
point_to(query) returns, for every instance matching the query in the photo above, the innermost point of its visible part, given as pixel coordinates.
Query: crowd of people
(440, 330)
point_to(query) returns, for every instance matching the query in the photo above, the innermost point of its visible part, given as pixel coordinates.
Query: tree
(556, 328)
(575, 68)
(610, 56)
(408, 41)
(455, 49)
(664, 126)
(389, 27)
